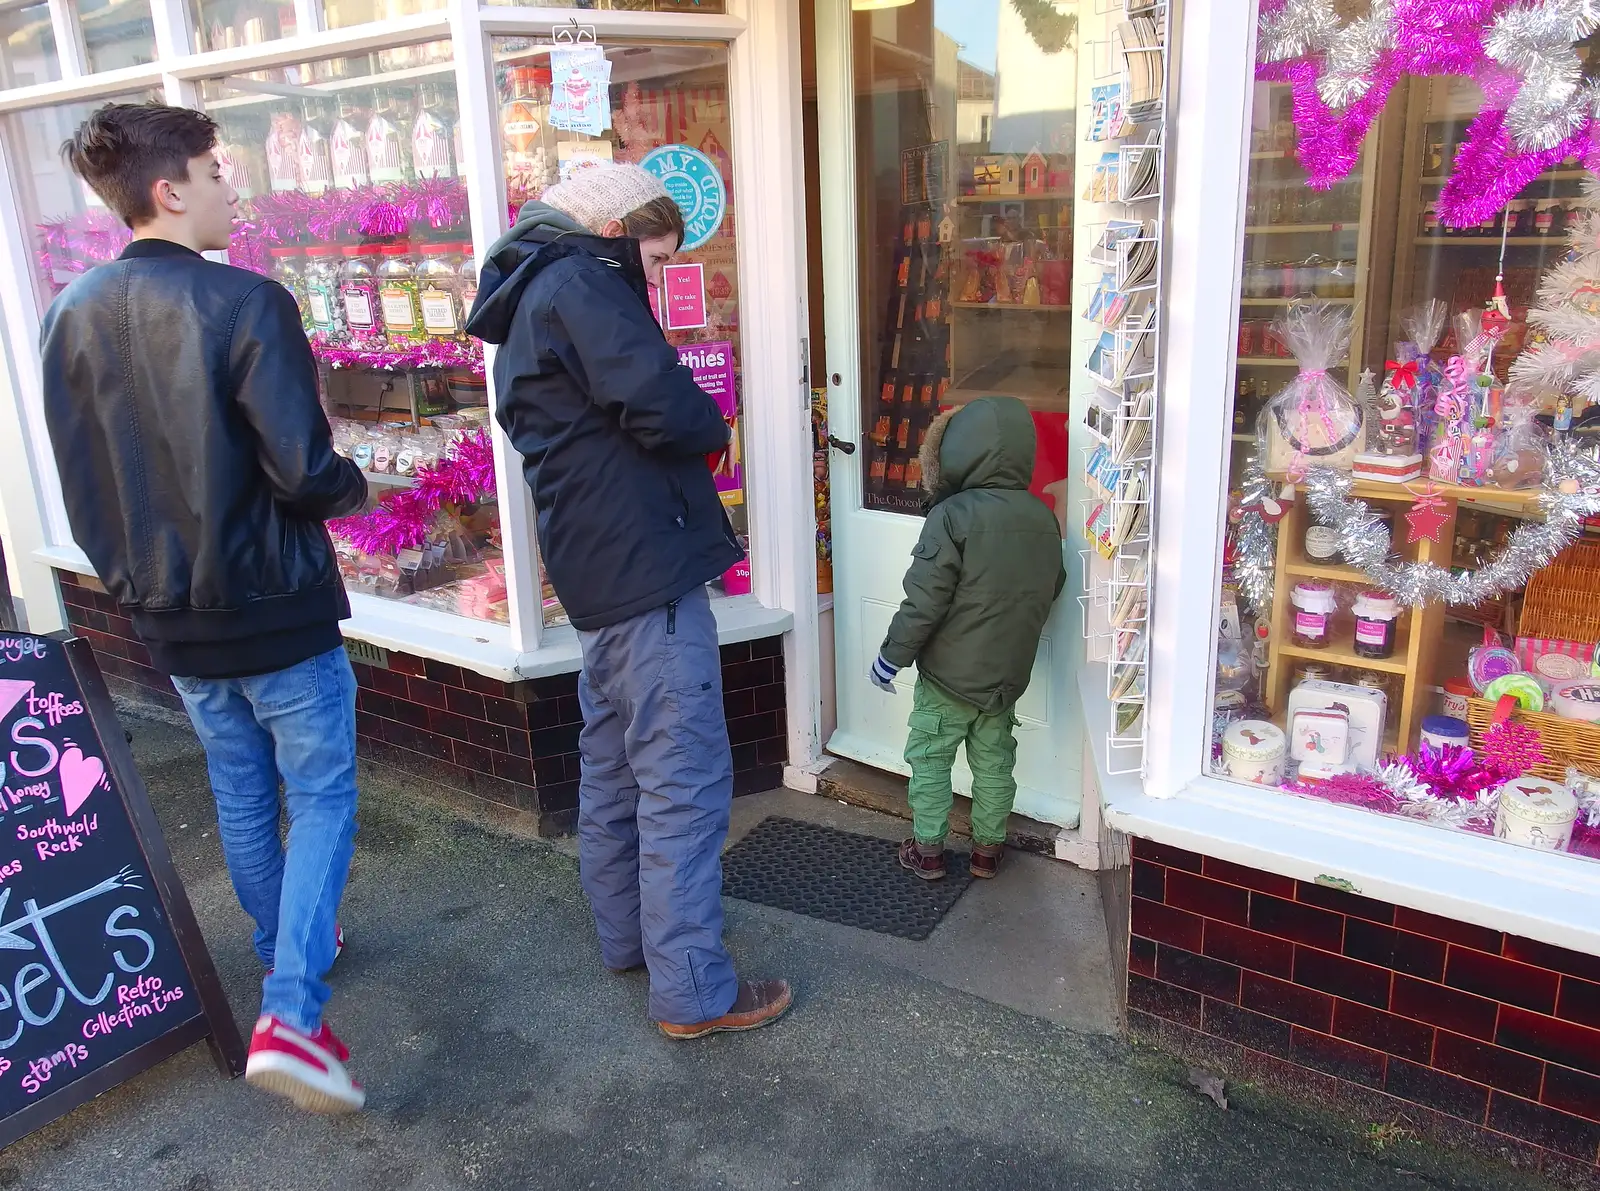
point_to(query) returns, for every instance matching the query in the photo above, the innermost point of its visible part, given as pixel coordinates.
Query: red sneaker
(307, 1068)
(338, 942)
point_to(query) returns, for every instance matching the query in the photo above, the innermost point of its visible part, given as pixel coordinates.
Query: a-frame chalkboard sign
(103, 971)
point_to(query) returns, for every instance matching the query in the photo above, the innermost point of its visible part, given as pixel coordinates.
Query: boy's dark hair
(124, 149)
(658, 217)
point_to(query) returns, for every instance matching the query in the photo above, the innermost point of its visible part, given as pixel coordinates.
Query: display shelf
(1040, 309)
(1286, 301)
(383, 479)
(1342, 654)
(1289, 229)
(1049, 196)
(1522, 499)
(1417, 639)
(1272, 155)
(1331, 572)
(267, 92)
(1269, 361)
(1547, 176)
(1495, 241)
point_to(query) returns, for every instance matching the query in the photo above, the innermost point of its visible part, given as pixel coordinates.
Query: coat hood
(541, 236)
(987, 443)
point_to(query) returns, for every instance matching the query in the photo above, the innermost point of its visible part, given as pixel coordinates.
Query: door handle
(838, 444)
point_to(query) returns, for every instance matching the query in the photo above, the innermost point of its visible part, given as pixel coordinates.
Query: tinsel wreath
(402, 519)
(1571, 493)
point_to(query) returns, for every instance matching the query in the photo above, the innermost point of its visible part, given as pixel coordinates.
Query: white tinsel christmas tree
(1568, 315)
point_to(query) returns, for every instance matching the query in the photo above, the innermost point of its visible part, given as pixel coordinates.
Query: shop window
(337, 14)
(965, 142)
(351, 197)
(117, 33)
(27, 47)
(71, 229)
(666, 108)
(224, 24)
(1392, 435)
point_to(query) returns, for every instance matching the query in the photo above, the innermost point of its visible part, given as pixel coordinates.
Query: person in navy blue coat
(614, 434)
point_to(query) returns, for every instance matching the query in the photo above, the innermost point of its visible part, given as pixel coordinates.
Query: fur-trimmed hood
(987, 443)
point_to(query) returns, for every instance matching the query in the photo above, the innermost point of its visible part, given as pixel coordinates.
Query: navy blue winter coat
(612, 429)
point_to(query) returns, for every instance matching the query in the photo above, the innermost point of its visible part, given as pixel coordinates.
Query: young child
(982, 579)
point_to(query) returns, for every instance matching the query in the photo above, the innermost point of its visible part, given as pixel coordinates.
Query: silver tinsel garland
(1536, 41)
(1353, 54)
(1299, 28)
(1256, 539)
(1532, 545)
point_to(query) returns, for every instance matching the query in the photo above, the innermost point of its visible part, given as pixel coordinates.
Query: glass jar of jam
(1377, 619)
(1314, 606)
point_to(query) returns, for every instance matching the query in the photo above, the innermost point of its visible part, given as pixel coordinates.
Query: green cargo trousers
(940, 722)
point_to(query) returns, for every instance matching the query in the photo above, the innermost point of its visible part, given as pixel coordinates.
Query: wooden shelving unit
(1420, 632)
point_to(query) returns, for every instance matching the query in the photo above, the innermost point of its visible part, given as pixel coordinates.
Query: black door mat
(839, 876)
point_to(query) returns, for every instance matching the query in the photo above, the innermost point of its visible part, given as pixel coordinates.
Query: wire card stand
(1124, 364)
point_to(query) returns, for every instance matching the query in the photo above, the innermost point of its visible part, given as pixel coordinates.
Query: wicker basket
(1560, 603)
(1566, 742)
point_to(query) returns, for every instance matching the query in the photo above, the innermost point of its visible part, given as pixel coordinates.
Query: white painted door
(939, 288)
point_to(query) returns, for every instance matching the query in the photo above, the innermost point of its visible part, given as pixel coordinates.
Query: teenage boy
(198, 468)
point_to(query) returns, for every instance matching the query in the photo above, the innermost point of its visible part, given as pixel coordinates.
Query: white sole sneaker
(309, 1090)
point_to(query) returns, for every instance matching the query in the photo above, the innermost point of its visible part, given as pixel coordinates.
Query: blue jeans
(653, 804)
(298, 726)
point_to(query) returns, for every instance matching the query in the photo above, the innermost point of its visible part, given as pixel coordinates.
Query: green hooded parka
(987, 567)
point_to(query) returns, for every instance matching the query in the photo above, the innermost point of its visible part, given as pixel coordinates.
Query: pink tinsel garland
(403, 518)
(1351, 789)
(429, 353)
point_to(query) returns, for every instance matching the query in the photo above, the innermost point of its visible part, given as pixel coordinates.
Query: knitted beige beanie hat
(598, 194)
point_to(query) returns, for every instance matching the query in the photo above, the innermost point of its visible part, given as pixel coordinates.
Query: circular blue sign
(695, 184)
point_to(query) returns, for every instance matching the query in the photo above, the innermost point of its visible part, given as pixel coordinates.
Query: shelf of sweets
(1289, 229)
(402, 357)
(1495, 241)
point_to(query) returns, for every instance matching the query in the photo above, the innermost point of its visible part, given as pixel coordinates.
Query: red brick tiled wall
(1497, 1031)
(494, 745)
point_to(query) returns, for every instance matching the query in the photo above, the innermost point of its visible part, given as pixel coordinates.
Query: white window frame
(763, 38)
(1470, 878)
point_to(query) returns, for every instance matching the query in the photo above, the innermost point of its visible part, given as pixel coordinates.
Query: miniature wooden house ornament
(1010, 175)
(1035, 173)
(986, 175)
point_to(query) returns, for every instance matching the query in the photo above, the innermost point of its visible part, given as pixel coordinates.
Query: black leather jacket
(195, 460)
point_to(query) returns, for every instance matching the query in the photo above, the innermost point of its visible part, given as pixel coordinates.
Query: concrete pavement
(499, 1054)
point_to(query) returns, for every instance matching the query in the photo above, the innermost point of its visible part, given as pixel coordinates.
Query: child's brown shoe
(926, 860)
(986, 860)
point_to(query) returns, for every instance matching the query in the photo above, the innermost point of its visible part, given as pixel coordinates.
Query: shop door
(946, 139)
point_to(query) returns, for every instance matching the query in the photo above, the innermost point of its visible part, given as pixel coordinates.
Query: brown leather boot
(926, 860)
(759, 1003)
(986, 860)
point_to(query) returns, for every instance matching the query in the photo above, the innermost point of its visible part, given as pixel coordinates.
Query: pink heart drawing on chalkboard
(79, 776)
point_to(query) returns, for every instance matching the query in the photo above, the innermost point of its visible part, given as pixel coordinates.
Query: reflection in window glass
(666, 108)
(351, 197)
(117, 33)
(27, 47)
(1322, 675)
(72, 231)
(224, 24)
(965, 135)
(340, 13)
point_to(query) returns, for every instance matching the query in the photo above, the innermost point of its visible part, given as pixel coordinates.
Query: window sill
(480, 646)
(1546, 896)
